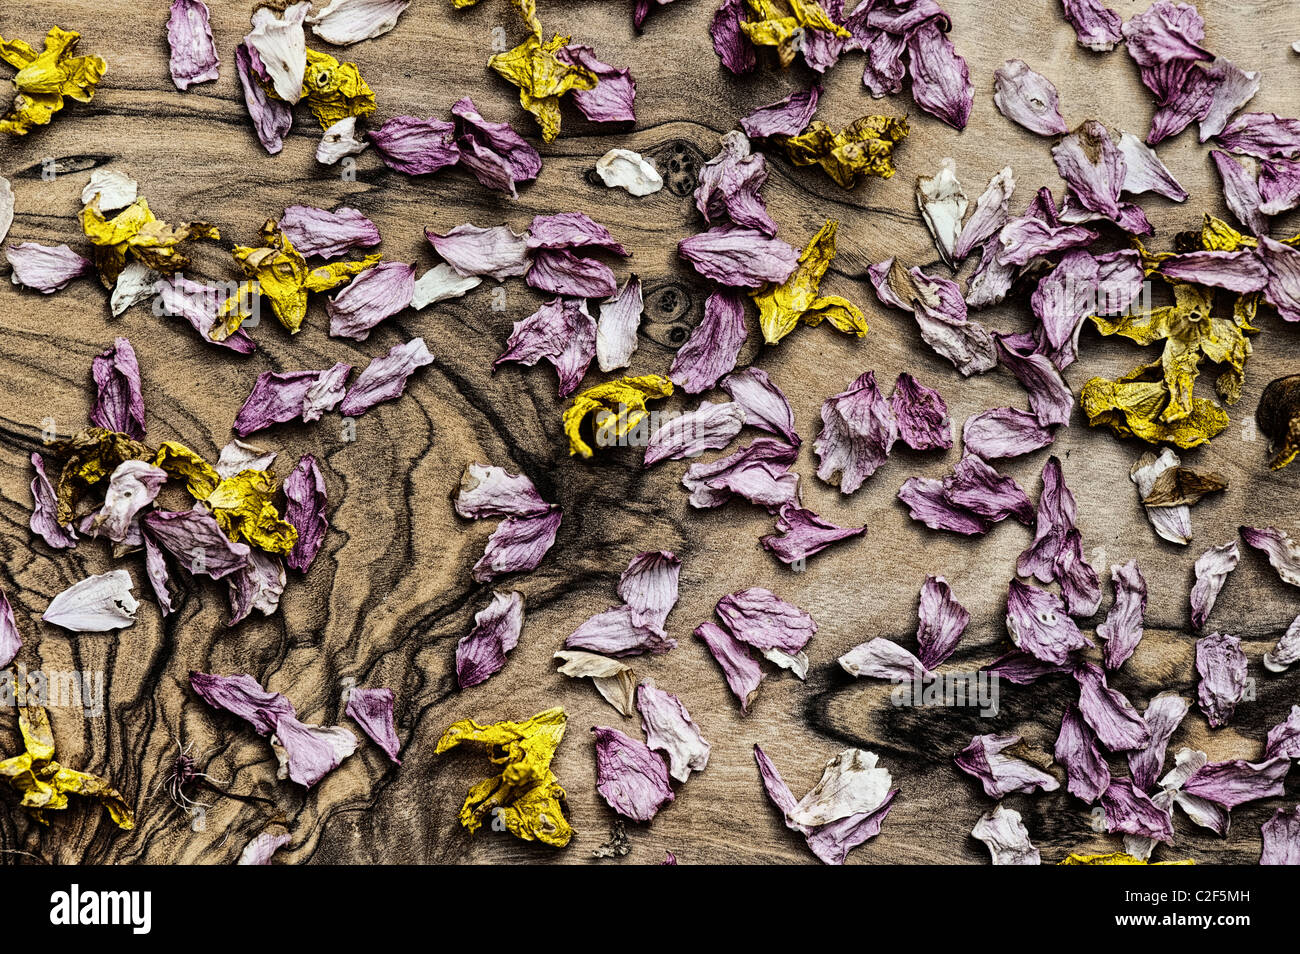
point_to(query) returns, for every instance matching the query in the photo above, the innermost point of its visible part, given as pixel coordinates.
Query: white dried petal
(116, 190)
(442, 283)
(625, 169)
(135, 284)
(340, 140)
(1171, 523)
(95, 605)
(943, 206)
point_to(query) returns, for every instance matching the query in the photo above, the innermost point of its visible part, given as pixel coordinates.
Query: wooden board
(391, 592)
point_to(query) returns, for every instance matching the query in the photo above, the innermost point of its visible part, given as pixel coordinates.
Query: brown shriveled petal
(1182, 487)
(1278, 416)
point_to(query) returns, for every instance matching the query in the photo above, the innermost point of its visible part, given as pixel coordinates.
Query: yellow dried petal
(89, 456)
(863, 147)
(1116, 858)
(781, 307)
(1134, 409)
(1218, 236)
(180, 462)
(619, 405)
(786, 31)
(542, 78)
(42, 782)
(243, 508)
(44, 79)
(334, 274)
(335, 90)
(136, 233)
(525, 796)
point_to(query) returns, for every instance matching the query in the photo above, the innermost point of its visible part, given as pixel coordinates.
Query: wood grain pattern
(391, 592)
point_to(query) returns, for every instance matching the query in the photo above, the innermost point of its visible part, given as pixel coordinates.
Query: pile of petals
(518, 543)
(41, 782)
(524, 796)
(45, 78)
(546, 71)
(105, 484)
(757, 618)
(277, 70)
(845, 808)
(899, 37)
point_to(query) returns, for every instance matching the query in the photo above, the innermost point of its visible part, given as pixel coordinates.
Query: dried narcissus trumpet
(1278, 416)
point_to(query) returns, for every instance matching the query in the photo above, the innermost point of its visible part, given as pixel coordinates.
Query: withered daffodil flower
(45, 78)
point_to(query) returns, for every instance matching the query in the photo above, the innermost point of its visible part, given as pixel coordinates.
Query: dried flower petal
(741, 669)
(1163, 716)
(1282, 552)
(803, 534)
(1087, 774)
(97, 604)
(1287, 651)
(1144, 172)
(1096, 26)
(315, 231)
(384, 379)
(759, 472)
(669, 729)
(482, 653)
(1262, 135)
(940, 80)
(858, 431)
(518, 544)
(562, 332)
(880, 658)
(343, 22)
(1002, 774)
(1122, 630)
(619, 407)
(487, 491)
(1110, 714)
(1281, 835)
(1212, 569)
(739, 257)
(614, 680)
(765, 405)
(943, 206)
(989, 216)
(45, 268)
(1236, 782)
(340, 140)
(1004, 432)
(729, 185)
(629, 776)
(782, 306)
(189, 35)
(304, 489)
(1006, 837)
(1028, 98)
(1039, 624)
(785, 117)
(628, 170)
(708, 427)
(941, 621)
(1221, 665)
(616, 330)
(272, 117)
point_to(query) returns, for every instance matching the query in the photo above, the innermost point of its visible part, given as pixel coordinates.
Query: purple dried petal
(1028, 238)
(1038, 623)
(803, 534)
(271, 117)
(1279, 186)
(1281, 835)
(1097, 27)
(372, 709)
(1122, 631)
(786, 117)
(669, 729)
(1184, 94)
(631, 778)
(562, 332)
(1221, 665)
(741, 669)
(1110, 714)
(729, 41)
(560, 272)
(714, 344)
(196, 541)
(243, 696)
(518, 544)
(708, 427)
(1236, 782)
(1283, 265)
(1167, 31)
(940, 80)
(304, 491)
(314, 231)
(497, 155)
(416, 146)
(1063, 299)
(47, 268)
(487, 491)
(1287, 651)
(278, 397)
(649, 587)
(1262, 135)
(44, 508)
(258, 585)
(613, 100)
(885, 68)
(1050, 397)
(496, 252)
(1234, 89)
(1080, 584)
(615, 634)
(376, 294)
(1282, 552)
(976, 487)
(1240, 193)
(1240, 271)
(1212, 569)
(927, 501)
(616, 330)
(570, 230)
(132, 486)
(1284, 738)
(940, 313)
(482, 652)
(739, 257)
(1023, 669)
(307, 752)
(765, 405)
(858, 431)
(193, 53)
(10, 640)
(1027, 98)
(1004, 432)
(1144, 172)
(118, 403)
(729, 185)
(1002, 774)
(880, 658)
(989, 216)
(384, 379)
(1087, 774)
(1163, 716)
(1056, 517)
(921, 415)
(1132, 812)
(198, 304)
(941, 621)
(1093, 167)
(759, 618)
(759, 472)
